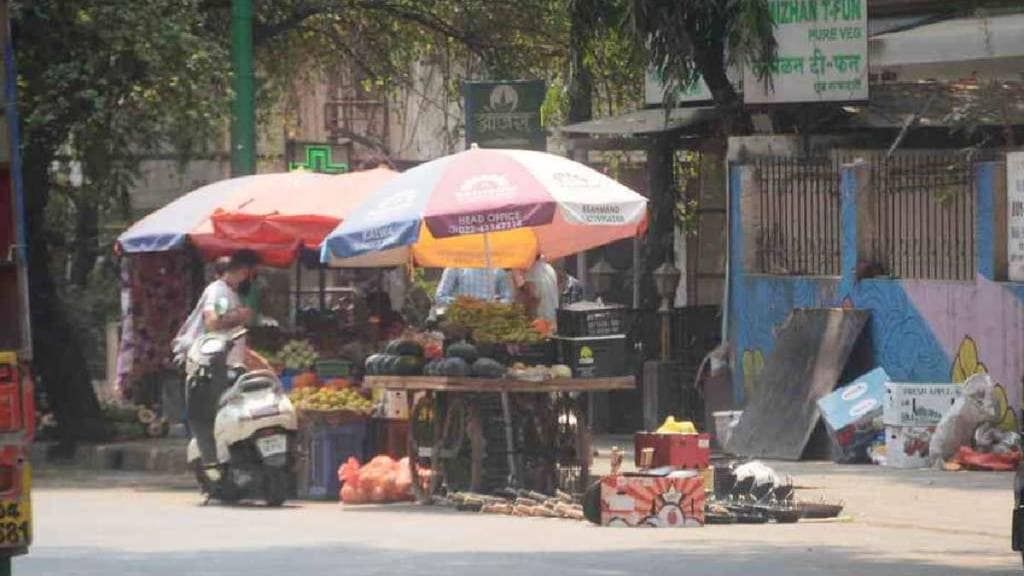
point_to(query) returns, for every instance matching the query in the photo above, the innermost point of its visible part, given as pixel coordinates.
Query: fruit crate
(324, 450)
(328, 368)
(594, 322)
(314, 419)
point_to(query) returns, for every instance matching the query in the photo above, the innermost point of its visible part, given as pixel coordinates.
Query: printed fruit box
(918, 404)
(907, 446)
(850, 413)
(672, 501)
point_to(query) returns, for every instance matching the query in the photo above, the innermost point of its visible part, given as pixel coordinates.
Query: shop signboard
(822, 54)
(505, 114)
(1015, 215)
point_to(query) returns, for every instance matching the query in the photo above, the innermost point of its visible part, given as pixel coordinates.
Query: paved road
(904, 523)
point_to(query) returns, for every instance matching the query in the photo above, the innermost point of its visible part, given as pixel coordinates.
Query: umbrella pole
(506, 408)
(487, 264)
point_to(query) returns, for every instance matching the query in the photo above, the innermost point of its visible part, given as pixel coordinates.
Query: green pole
(243, 114)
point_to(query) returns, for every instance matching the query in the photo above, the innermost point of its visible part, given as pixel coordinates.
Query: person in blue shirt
(479, 283)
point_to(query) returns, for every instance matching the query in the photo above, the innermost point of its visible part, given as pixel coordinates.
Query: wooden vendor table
(485, 434)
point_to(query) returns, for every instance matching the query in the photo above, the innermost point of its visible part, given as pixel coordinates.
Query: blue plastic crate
(326, 449)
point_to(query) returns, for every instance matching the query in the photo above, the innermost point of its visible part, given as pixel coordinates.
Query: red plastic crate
(688, 451)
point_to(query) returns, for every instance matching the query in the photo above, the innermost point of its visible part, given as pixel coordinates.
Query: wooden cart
(480, 435)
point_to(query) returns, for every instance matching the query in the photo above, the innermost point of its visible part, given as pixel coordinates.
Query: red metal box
(686, 451)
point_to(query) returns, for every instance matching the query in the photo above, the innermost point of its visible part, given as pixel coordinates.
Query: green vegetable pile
(298, 355)
(492, 322)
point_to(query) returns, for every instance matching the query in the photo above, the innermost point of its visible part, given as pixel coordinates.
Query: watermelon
(487, 368)
(409, 366)
(434, 367)
(456, 367)
(402, 347)
(373, 364)
(465, 351)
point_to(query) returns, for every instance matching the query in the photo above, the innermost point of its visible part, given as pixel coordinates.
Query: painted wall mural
(753, 363)
(967, 364)
(921, 330)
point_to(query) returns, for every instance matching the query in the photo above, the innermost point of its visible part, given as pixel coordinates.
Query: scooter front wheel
(275, 486)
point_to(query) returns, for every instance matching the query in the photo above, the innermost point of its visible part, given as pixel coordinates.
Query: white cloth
(545, 281)
(394, 281)
(219, 298)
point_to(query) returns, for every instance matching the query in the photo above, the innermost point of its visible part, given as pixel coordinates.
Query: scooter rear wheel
(275, 487)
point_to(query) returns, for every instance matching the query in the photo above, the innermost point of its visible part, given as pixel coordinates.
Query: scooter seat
(250, 382)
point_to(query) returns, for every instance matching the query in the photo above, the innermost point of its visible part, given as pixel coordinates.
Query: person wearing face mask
(220, 308)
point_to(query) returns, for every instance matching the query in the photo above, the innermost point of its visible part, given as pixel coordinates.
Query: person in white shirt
(220, 308)
(542, 286)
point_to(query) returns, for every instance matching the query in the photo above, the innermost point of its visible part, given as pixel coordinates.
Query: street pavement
(94, 523)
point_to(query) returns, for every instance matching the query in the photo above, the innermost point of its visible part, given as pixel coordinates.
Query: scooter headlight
(211, 346)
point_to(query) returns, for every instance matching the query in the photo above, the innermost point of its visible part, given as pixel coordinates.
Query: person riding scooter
(219, 310)
(245, 421)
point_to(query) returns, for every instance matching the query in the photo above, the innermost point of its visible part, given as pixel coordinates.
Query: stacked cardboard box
(910, 414)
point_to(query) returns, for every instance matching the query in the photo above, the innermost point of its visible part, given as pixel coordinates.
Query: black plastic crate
(596, 357)
(596, 322)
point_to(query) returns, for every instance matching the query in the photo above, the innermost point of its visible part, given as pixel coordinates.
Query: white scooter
(243, 426)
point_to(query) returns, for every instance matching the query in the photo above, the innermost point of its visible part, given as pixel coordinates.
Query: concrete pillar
(855, 212)
(990, 220)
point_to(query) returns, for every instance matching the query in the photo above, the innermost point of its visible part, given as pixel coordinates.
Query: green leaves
(684, 40)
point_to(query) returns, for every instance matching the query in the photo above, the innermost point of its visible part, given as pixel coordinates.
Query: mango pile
(330, 399)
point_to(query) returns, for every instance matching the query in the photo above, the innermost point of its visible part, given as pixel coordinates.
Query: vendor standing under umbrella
(479, 283)
(541, 284)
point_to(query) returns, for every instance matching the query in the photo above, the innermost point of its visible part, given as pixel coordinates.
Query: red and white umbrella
(487, 207)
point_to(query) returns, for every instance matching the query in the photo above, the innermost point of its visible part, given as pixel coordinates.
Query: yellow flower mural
(1008, 423)
(753, 363)
(967, 364)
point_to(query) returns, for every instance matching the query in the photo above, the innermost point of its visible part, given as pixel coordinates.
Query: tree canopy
(104, 83)
(701, 39)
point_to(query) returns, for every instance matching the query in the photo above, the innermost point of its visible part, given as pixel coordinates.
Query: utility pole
(243, 113)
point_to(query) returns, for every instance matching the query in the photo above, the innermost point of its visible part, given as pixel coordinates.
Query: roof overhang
(646, 122)
(985, 46)
(941, 105)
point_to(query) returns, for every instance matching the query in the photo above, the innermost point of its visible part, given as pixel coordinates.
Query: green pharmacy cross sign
(319, 159)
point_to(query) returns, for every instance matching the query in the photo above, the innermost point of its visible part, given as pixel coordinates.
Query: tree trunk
(86, 240)
(660, 242)
(711, 62)
(59, 361)
(581, 80)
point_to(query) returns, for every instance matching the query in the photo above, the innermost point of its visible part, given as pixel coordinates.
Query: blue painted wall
(921, 331)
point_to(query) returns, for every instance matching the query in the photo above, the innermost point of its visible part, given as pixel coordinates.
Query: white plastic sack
(989, 438)
(762, 474)
(975, 407)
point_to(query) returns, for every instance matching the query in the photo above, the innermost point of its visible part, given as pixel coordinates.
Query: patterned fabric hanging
(157, 293)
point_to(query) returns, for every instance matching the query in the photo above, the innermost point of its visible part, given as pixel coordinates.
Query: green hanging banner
(505, 114)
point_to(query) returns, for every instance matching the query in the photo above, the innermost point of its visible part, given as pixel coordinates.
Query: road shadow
(763, 560)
